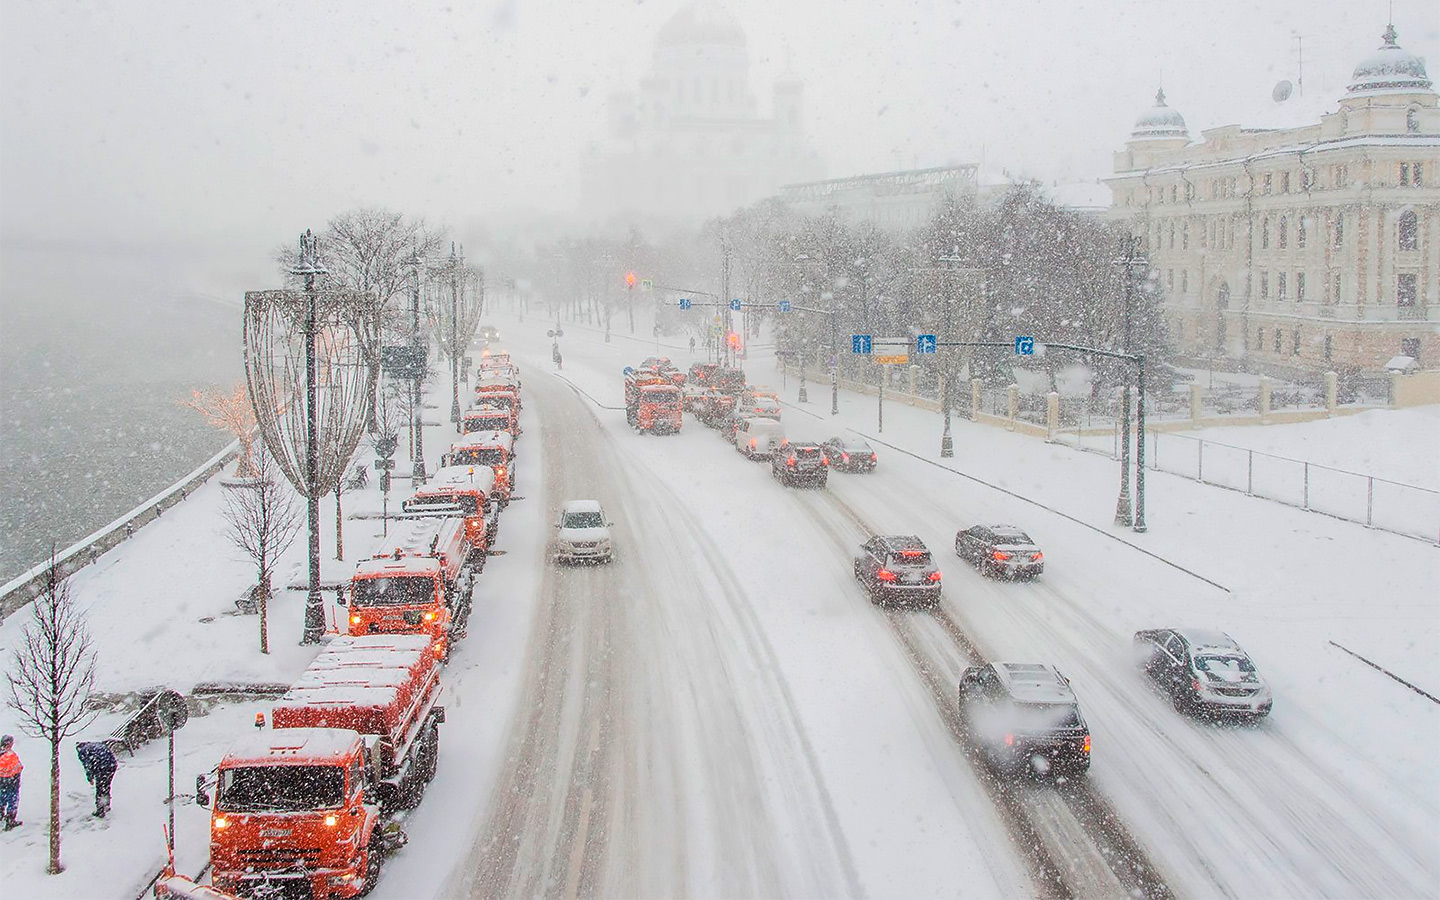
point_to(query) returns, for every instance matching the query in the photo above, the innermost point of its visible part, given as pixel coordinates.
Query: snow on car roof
(581, 506)
(449, 477)
(484, 438)
(1035, 682)
(278, 745)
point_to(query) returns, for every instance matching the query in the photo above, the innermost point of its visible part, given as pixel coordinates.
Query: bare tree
(229, 410)
(264, 520)
(51, 678)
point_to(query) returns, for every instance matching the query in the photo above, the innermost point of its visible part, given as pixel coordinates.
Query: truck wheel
(374, 860)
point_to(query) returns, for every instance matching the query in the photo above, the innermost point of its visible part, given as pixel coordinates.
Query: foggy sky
(217, 131)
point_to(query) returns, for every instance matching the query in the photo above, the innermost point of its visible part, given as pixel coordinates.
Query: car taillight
(754, 442)
(788, 462)
(873, 457)
(1195, 684)
(1036, 556)
(1009, 740)
(354, 620)
(934, 576)
(824, 460)
(844, 457)
(885, 575)
(1000, 555)
(1085, 745)
(439, 650)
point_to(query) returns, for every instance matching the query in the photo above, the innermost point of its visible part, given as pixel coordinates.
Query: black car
(898, 568)
(1024, 717)
(1001, 550)
(728, 425)
(850, 455)
(1203, 671)
(804, 463)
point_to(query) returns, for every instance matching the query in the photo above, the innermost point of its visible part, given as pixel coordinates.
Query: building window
(1307, 180)
(1265, 233)
(1408, 230)
(1265, 188)
(1417, 170)
(1185, 236)
(1406, 289)
(1172, 234)
(1412, 121)
(1169, 279)
(1264, 285)
(1284, 182)
(1339, 230)
(1410, 347)
(1279, 338)
(1280, 289)
(1184, 281)
(1342, 176)
(1259, 339)
(1299, 287)
(1295, 342)
(1404, 174)
(1302, 234)
(1336, 294)
(1284, 233)
(1174, 193)
(1329, 347)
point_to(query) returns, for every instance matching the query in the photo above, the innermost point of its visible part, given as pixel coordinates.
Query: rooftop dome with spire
(701, 22)
(1389, 70)
(1160, 122)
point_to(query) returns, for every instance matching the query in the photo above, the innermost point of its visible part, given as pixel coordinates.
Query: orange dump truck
(495, 449)
(418, 584)
(652, 401)
(466, 492)
(297, 807)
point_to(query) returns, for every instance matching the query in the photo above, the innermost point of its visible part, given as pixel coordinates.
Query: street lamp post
(455, 339)
(417, 475)
(1124, 514)
(309, 266)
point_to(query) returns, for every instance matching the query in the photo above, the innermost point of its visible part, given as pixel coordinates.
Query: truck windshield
(584, 520)
(414, 590)
(281, 788)
(486, 457)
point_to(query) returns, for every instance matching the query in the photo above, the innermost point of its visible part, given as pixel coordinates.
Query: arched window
(1412, 121)
(1301, 233)
(1284, 233)
(1409, 231)
(1265, 233)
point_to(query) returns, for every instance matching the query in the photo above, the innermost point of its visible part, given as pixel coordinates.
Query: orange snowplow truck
(297, 808)
(497, 385)
(463, 491)
(419, 583)
(495, 449)
(652, 401)
(487, 416)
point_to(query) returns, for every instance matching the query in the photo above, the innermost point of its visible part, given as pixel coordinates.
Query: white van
(757, 437)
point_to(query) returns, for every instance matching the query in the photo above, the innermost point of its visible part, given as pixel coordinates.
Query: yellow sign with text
(900, 360)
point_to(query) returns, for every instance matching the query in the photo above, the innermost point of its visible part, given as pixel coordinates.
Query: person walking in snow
(99, 765)
(10, 768)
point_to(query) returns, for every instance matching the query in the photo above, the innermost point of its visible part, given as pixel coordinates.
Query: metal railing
(1374, 502)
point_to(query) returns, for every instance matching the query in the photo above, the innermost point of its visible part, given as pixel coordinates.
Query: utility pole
(1123, 513)
(725, 298)
(417, 362)
(309, 266)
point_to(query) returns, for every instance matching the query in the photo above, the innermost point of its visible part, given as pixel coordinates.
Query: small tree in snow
(264, 519)
(51, 678)
(229, 409)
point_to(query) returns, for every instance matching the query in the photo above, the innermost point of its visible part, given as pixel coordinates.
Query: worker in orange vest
(10, 768)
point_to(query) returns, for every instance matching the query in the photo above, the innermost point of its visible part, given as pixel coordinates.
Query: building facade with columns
(692, 142)
(1297, 249)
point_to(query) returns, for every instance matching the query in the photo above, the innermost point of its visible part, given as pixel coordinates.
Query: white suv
(583, 533)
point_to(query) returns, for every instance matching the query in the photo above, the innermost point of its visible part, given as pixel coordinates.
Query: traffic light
(734, 340)
(630, 281)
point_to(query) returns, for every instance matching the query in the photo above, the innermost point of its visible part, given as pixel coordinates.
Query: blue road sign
(924, 343)
(861, 343)
(628, 370)
(784, 305)
(735, 304)
(684, 302)
(1025, 346)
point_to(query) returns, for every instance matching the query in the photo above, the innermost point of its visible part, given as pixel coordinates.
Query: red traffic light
(630, 280)
(734, 340)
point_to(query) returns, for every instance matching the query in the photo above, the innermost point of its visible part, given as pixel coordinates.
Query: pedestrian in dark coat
(99, 765)
(10, 768)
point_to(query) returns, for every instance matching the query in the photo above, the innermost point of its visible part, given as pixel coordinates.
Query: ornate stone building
(692, 142)
(1298, 249)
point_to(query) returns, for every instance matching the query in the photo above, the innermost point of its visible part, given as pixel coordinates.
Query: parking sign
(684, 302)
(784, 305)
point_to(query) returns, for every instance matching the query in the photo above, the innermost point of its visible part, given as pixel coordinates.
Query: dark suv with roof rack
(898, 568)
(796, 461)
(1024, 716)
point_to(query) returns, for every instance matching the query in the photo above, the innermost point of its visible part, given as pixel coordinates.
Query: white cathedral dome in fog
(1160, 122)
(1389, 70)
(690, 142)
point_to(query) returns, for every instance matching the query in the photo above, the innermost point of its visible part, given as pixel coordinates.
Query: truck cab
(419, 585)
(466, 492)
(493, 449)
(658, 409)
(297, 808)
(490, 417)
